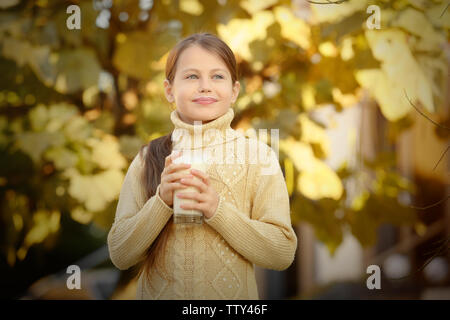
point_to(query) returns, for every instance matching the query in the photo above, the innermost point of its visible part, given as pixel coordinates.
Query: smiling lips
(204, 100)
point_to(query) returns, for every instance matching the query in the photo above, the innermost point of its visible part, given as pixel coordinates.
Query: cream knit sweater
(214, 260)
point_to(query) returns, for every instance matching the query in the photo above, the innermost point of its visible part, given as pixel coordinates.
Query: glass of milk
(181, 215)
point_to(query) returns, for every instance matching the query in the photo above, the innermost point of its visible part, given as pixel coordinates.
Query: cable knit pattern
(214, 260)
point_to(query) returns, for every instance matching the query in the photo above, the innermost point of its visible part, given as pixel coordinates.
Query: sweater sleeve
(266, 238)
(137, 222)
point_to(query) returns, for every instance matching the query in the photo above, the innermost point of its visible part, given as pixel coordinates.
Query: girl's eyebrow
(193, 69)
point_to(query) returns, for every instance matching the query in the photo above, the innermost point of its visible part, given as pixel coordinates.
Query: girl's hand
(207, 198)
(170, 178)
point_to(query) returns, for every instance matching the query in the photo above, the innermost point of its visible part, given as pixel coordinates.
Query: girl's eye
(193, 75)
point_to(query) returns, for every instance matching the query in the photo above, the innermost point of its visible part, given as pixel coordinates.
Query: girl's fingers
(193, 206)
(195, 183)
(177, 166)
(176, 186)
(190, 207)
(177, 176)
(192, 196)
(167, 161)
(170, 157)
(203, 176)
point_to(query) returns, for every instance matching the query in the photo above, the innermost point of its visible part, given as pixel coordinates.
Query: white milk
(183, 215)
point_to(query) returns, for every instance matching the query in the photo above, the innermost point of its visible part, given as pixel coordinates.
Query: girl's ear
(236, 89)
(168, 91)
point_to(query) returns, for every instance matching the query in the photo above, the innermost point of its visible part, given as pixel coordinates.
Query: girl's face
(201, 74)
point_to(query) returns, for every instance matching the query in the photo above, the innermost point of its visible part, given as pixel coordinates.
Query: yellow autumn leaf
(346, 100)
(299, 152)
(417, 23)
(289, 174)
(400, 67)
(239, 33)
(95, 191)
(359, 201)
(389, 94)
(347, 51)
(308, 96)
(293, 28)
(316, 179)
(328, 49)
(435, 70)
(332, 13)
(253, 6)
(193, 7)
(106, 152)
(313, 133)
(44, 224)
(80, 215)
(321, 182)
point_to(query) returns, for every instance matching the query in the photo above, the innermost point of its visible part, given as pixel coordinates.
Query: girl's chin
(201, 113)
(205, 114)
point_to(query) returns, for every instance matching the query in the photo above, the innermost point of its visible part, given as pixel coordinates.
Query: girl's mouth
(204, 100)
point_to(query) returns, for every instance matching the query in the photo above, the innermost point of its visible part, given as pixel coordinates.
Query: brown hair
(160, 148)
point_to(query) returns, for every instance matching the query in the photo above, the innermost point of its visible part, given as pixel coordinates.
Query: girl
(245, 208)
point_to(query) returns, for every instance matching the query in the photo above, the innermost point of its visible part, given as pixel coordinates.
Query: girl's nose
(204, 86)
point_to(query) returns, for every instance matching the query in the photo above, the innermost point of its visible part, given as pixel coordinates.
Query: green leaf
(77, 70)
(137, 53)
(62, 157)
(38, 118)
(77, 129)
(35, 143)
(130, 146)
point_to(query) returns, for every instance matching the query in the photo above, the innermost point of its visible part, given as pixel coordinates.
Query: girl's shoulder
(257, 145)
(139, 159)
(262, 158)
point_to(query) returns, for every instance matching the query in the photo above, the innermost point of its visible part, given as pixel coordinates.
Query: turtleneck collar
(190, 136)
